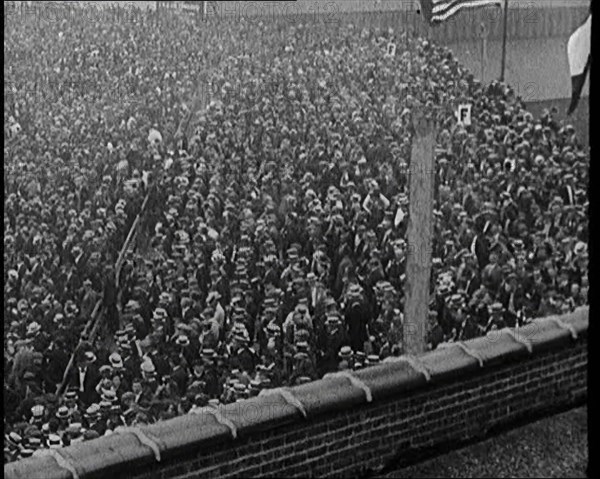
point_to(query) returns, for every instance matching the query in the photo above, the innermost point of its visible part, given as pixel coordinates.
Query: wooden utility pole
(504, 32)
(420, 234)
(483, 34)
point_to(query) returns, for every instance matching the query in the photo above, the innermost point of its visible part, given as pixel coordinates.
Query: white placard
(391, 50)
(463, 114)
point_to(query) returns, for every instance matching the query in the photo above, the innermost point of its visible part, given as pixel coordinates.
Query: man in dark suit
(131, 360)
(469, 278)
(159, 360)
(491, 276)
(512, 298)
(334, 337)
(479, 247)
(55, 362)
(469, 329)
(88, 298)
(357, 316)
(189, 310)
(85, 376)
(178, 373)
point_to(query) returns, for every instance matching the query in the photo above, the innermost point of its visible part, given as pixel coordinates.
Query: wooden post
(420, 234)
(504, 31)
(483, 34)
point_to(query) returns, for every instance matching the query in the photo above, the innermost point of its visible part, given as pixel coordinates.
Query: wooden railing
(92, 326)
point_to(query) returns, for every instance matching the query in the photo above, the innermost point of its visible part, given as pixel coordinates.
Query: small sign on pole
(391, 50)
(463, 114)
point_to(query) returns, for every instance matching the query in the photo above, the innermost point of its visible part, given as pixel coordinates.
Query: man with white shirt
(317, 292)
(212, 301)
(567, 191)
(375, 203)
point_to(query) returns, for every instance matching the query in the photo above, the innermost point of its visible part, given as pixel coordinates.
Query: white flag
(578, 50)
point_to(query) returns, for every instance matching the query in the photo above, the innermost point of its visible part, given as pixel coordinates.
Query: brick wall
(448, 396)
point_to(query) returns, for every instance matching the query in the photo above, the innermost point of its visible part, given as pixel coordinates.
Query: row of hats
(346, 354)
(26, 447)
(244, 391)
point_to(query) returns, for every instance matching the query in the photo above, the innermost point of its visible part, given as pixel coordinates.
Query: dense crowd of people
(272, 248)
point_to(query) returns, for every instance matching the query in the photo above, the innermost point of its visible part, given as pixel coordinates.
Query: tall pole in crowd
(483, 33)
(505, 27)
(420, 234)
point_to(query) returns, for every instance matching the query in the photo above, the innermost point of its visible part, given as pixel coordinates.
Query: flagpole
(503, 67)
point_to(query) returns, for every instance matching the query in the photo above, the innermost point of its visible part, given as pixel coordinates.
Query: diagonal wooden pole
(420, 234)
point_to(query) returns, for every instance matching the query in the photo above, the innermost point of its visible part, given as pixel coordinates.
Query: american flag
(437, 11)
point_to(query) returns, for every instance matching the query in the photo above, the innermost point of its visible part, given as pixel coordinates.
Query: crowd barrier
(91, 328)
(130, 239)
(357, 423)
